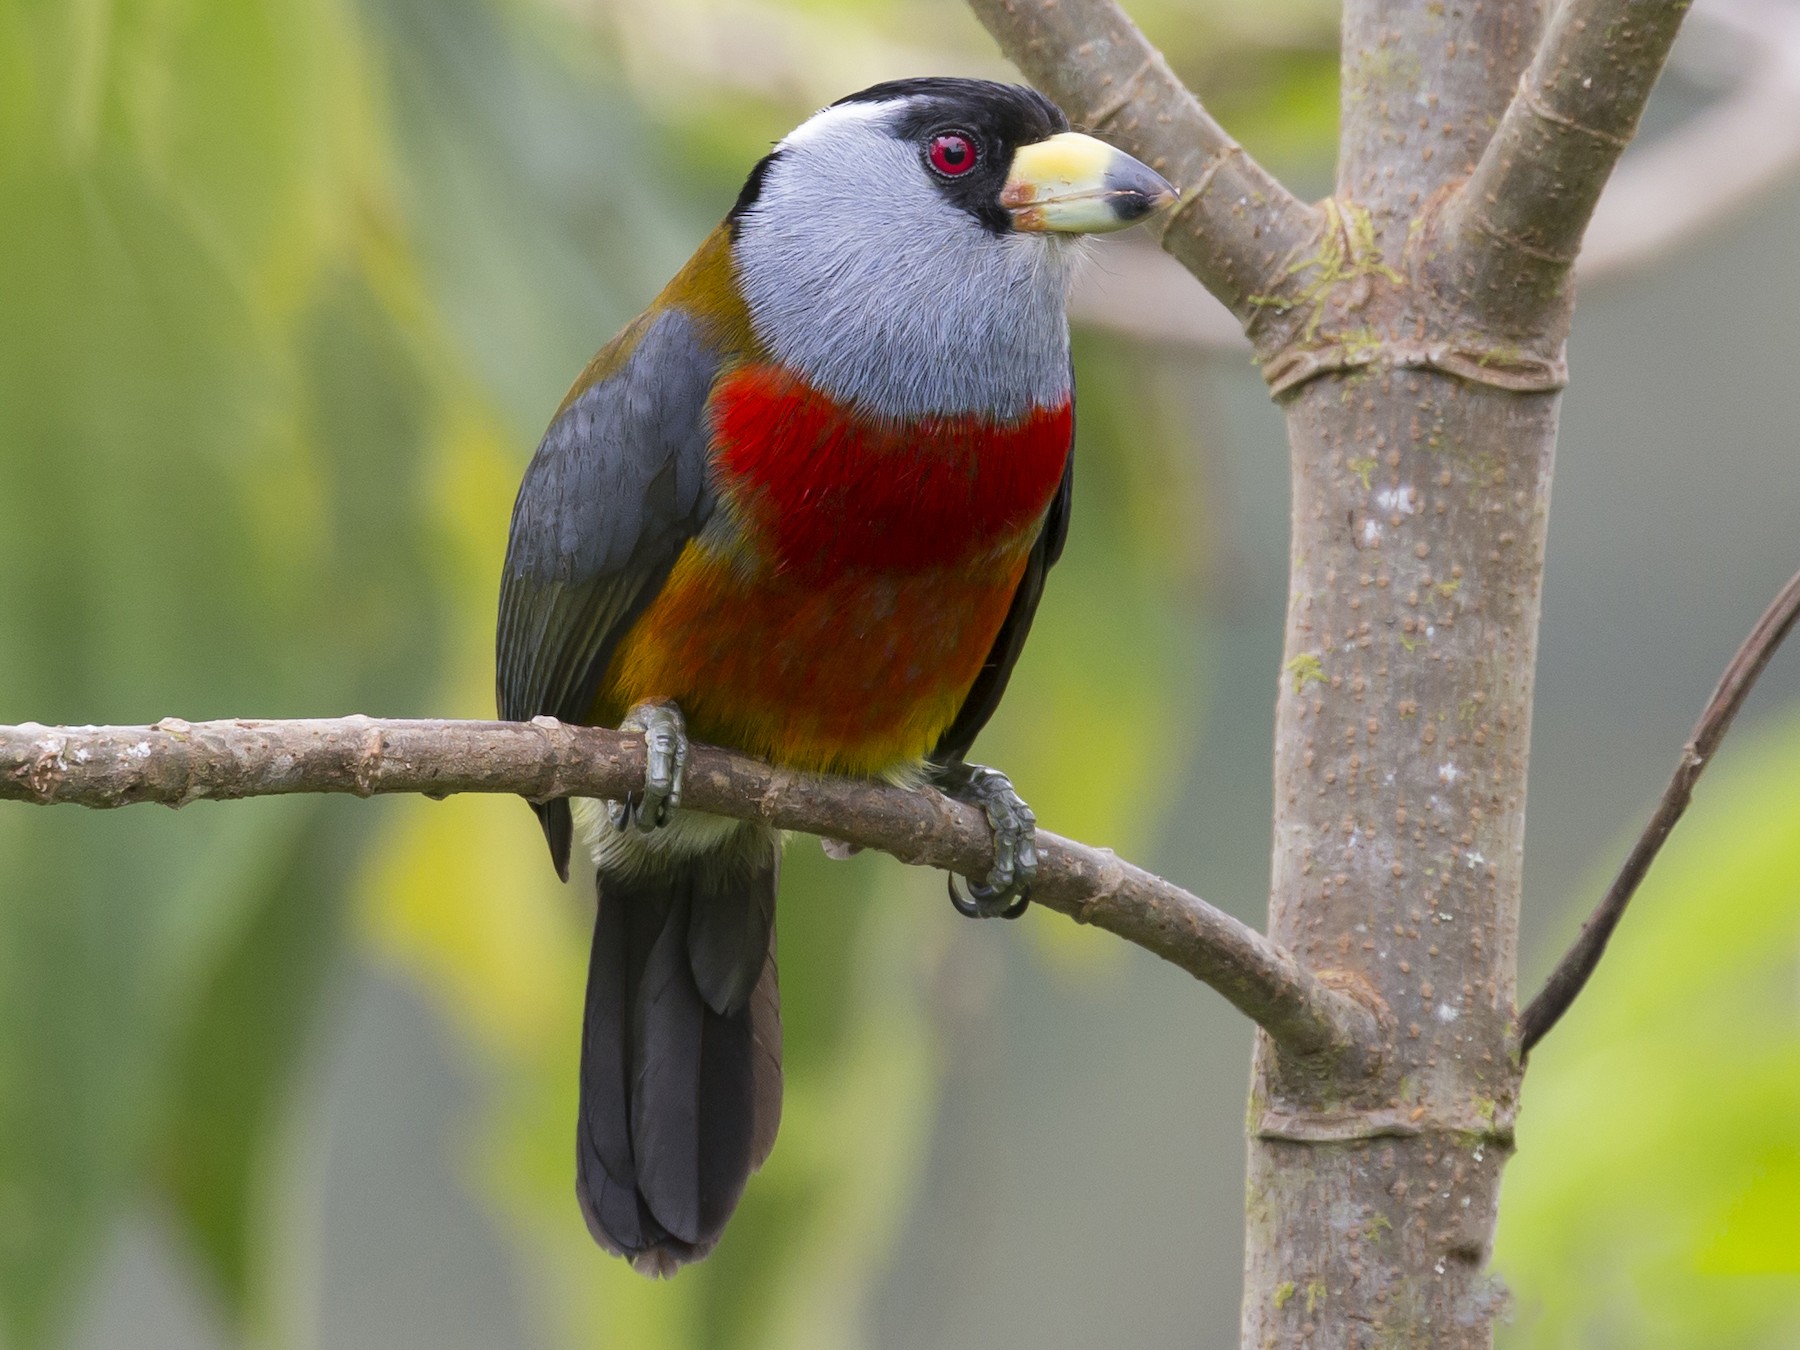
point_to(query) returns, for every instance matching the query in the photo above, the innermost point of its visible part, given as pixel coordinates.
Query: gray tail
(680, 1052)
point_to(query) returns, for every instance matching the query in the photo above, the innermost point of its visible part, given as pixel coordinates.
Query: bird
(801, 507)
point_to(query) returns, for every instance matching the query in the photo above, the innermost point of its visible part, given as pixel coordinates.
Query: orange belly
(859, 673)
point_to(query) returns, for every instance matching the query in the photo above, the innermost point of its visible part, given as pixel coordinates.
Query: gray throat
(863, 279)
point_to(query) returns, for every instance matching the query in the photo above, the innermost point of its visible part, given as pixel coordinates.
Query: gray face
(883, 285)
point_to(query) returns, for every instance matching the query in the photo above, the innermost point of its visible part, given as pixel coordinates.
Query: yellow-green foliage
(211, 424)
(1655, 1199)
(287, 291)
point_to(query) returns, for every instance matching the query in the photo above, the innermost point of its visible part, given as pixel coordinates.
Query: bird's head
(908, 247)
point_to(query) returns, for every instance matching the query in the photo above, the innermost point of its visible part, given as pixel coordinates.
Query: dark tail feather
(680, 1053)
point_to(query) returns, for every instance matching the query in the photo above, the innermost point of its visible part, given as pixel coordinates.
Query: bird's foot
(1006, 891)
(665, 760)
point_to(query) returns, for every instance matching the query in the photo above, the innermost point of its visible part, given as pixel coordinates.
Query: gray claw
(1006, 890)
(665, 760)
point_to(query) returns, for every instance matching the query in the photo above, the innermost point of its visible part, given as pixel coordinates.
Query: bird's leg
(1006, 891)
(665, 759)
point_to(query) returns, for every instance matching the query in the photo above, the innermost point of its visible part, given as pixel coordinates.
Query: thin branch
(176, 762)
(1236, 225)
(1573, 971)
(1515, 227)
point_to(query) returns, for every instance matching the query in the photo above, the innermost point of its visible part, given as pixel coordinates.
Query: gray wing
(616, 489)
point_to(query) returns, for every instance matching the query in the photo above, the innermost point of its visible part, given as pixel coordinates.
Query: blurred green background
(287, 291)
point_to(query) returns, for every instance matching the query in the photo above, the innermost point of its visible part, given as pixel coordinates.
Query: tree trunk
(1402, 731)
(1403, 725)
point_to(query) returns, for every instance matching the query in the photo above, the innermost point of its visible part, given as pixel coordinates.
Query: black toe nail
(966, 908)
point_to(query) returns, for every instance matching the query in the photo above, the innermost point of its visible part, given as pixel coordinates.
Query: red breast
(872, 567)
(827, 489)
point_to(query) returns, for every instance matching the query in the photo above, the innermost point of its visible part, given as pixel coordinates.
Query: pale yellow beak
(1074, 184)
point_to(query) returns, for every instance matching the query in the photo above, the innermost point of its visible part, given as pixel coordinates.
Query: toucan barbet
(802, 507)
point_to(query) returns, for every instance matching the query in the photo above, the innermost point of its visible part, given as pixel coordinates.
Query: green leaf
(211, 435)
(1655, 1200)
(232, 1070)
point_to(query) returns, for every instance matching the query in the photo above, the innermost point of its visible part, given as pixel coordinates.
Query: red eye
(952, 154)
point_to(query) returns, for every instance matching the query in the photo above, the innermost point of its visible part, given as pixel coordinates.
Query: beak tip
(1133, 204)
(1137, 191)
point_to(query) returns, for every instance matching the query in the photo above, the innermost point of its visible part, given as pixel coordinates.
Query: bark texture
(1403, 727)
(1518, 226)
(1236, 225)
(1420, 491)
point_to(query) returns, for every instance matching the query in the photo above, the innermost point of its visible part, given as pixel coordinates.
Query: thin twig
(176, 762)
(1573, 971)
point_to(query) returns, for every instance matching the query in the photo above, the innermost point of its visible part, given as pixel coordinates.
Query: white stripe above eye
(824, 121)
(864, 276)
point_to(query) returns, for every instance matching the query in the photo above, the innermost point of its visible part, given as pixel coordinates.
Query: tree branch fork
(1472, 281)
(1313, 1016)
